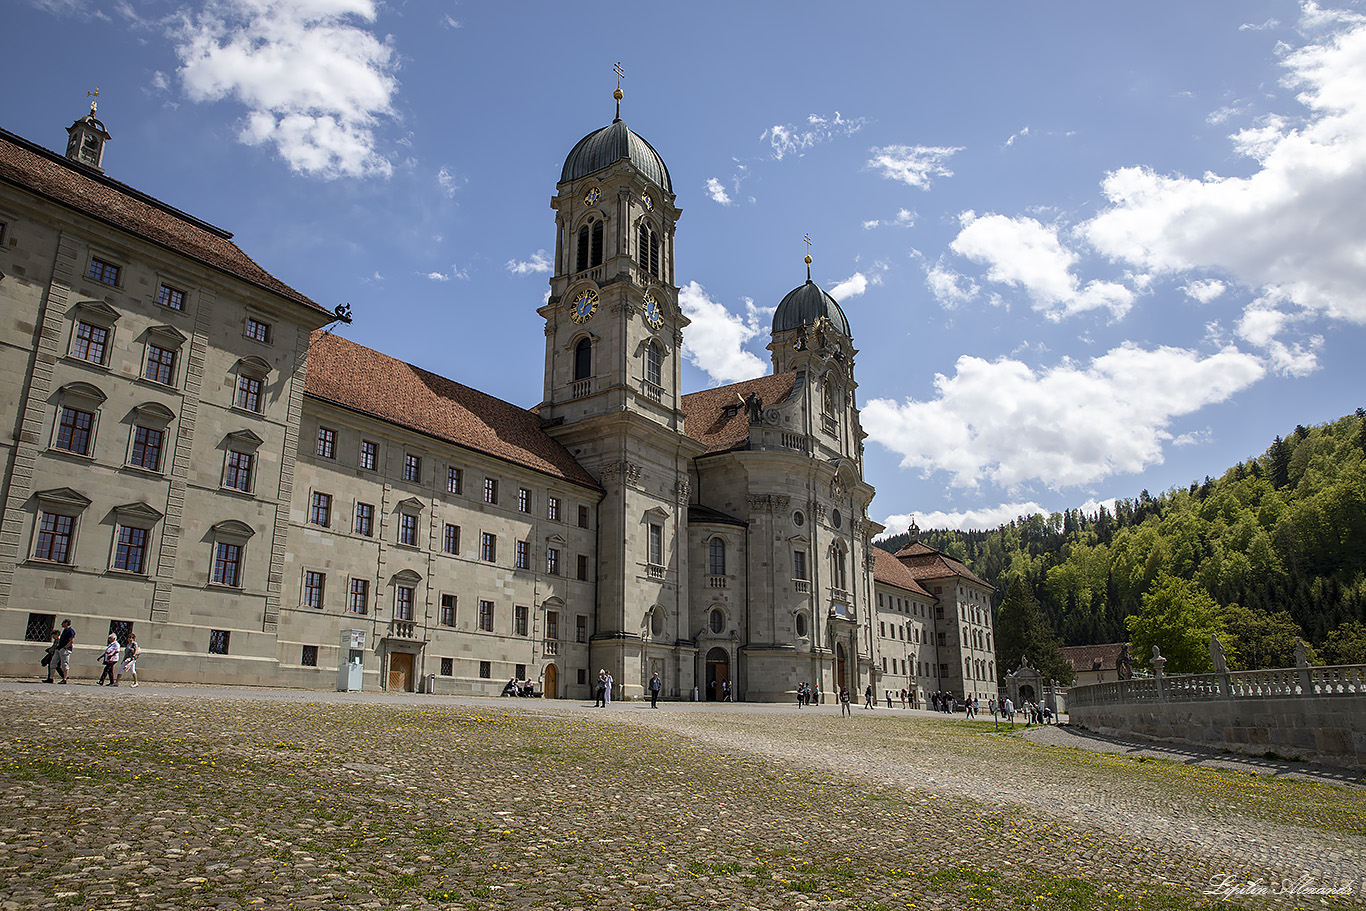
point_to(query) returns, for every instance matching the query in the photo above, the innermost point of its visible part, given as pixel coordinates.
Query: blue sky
(1085, 249)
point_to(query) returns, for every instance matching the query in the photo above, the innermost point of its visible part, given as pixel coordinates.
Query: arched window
(649, 250)
(831, 399)
(967, 668)
(716, 557)
(581, 261)
(718, 621)
(583, 359)
(597, 244)
(837, 566)
(654, 364)
(801, 625)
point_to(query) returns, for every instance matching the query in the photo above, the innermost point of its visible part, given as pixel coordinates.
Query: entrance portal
(1027, 693)
(549, 685)
(718, 674)
(401, 671)
(840, 679)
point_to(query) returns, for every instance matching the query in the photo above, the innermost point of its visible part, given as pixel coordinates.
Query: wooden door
(401, 672)
(549, 684)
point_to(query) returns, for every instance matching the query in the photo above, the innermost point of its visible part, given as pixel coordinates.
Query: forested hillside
(1277, 541)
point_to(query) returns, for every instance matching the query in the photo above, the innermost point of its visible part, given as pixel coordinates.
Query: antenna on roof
(618, 95)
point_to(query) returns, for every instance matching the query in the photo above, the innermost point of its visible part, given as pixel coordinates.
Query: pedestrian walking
(868, 697)
(844, 702)
(110, 660)
(655, 684)
(61, 658)
(130, 660)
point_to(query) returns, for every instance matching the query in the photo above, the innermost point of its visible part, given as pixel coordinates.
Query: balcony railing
(581, 388)
(718, 582)
(550, 647)
(652, 391)
(1340, 680)
(803, 586)
(403, 629)
(797, 442)
(654, 570)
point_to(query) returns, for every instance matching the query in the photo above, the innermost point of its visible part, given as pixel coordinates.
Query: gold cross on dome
(620, 73)
(807, 239)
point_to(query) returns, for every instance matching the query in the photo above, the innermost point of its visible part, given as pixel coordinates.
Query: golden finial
(95, 96)
(618, 93)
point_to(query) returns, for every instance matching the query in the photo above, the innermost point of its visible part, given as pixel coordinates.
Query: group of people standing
(807, 694)
(118, 658)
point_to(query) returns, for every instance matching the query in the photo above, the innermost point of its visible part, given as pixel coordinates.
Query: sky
(1085, 249)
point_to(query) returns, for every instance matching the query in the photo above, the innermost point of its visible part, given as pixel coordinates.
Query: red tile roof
(48, 174)
(706, 417)
(1085, 657)
(924, 562)
(888, 570)
(364, 380)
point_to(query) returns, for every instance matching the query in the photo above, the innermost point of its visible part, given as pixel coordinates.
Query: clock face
(649, 203)
(584, 306)
(653, 315)
(592, 196)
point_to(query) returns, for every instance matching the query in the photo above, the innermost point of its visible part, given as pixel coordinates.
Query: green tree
(1178, 617)
(1279, 456)
(1022, 632)
(1261, 639)
(1346, 644)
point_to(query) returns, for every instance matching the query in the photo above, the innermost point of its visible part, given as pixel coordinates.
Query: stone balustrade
(1346, 679)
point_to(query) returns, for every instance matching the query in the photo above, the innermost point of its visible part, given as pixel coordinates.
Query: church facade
(197, 457)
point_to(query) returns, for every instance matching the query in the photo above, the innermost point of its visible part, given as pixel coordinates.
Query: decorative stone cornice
(622, 472)
(767, 502)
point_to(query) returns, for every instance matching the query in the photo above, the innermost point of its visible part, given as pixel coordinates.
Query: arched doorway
(1027, 693)
(840, 669)
(718, 673)
(548, 686)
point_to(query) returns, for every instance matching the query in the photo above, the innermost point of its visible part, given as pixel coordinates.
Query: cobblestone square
(177, 798)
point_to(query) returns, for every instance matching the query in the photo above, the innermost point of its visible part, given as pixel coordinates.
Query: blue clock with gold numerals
(653, 315)
(584, 306)
(592, 196)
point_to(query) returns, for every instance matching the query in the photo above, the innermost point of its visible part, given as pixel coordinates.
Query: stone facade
(194, 457)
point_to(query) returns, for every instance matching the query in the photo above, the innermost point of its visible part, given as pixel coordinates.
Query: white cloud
(715, 340)
(1260, 325)
(1022, 252)
(539, 262)
(1205, 290)
(456, 272)
(951, 289)
(449, 182)
(314, 81)
(790, 139)
(1194, 438)
(448, 22)
(160, 81)
(1260, 26)
(1294, 227)
(1003, 422)
(717, 192)
(914, 166)
(968, 520)
(1014, 136)
(855, 285)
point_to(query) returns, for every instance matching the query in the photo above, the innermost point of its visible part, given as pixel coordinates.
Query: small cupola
(86, 138)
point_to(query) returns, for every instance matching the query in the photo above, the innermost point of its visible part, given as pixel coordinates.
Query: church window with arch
(716, 557)
(649, 250)
(654, 364)
(583, 359)
(589, 253)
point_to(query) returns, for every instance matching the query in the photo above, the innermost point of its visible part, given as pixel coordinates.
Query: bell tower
(613, 333)
(86, 138)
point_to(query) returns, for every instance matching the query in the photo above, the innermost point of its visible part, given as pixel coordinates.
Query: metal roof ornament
(618, 93)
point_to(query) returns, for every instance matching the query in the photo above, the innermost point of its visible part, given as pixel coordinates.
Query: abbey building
(196, 456)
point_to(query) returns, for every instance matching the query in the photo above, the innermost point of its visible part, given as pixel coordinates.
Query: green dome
(605, 147)
(806, 304)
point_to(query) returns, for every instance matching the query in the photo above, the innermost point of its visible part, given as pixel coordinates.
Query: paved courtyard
(196, 797)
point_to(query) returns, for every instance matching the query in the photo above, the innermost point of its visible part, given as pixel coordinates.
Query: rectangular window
(412, 468)
(882, 631)
(171, 297)
(486, 616)
(320, 512)
(488, 547)
(104, 272)
(552, 624)
(583, 517)
(309, 658)
(248, 393)
(581, 628)
(941, 640)
(407, 529)
(490, 490)
(91, 343)
(369, 455)
(238, 475)
(455, 480)
(448, 610)
(54, 538)
(523, 500)
(552, 509)
(227, 563)
(943, 670)
(130, 555)
(160, 366)
(447, 667)
(358, 596)
(403, 602)
(74, 429)
(656, 545)
(450, 541)
(218, 641)
(583, 568)
(799, 564)
(552, 561)
(523, 558)
(485, 670)
(313, 589)
(519, 621)
(327, 443)
(39, 628)
(258, 330)
(146, 452)
(365, 519)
